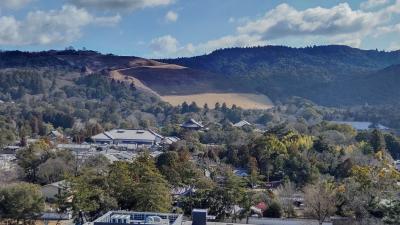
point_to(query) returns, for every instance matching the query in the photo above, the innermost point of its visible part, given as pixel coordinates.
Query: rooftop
(192, 124)
(122, 134)
(242, 123)
(143, 218)
(59, 184)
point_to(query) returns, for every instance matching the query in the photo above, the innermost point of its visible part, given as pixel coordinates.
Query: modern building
(142, 218)
(145, 138)
(192, 125)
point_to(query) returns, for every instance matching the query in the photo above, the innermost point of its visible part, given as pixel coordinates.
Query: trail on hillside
(117, 75)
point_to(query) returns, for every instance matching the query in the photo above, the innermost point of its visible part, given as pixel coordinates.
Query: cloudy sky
(171, 28)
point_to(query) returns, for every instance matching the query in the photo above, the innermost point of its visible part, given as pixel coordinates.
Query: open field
(246, 101)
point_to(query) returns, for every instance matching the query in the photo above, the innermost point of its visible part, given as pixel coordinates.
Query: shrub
(274, 210)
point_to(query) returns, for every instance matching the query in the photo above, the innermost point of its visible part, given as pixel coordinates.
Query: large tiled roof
(122, 134)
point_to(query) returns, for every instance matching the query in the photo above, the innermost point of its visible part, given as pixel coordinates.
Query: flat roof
(138, 217)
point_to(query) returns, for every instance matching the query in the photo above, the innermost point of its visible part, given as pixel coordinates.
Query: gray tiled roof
(122, 134)
(192, 124)
(241, 123)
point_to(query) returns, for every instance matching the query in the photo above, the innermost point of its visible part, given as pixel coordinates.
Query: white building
(145, 138)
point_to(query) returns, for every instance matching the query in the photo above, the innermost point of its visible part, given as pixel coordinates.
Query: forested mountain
(329, 75)
(77, 90)
(72, 90)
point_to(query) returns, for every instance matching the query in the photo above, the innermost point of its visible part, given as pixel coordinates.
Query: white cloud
(14, 4)
(49, 27)
(169, 46)
(164, 44)
(171, 16)
(339, 24)
(120, 4)
(394, 46)
(394, 28)
(285, 21)
(370, 4)
(242, 40)
(353, 41)
(395, 8)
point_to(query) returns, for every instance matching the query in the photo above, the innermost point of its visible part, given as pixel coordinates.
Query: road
(270, 221)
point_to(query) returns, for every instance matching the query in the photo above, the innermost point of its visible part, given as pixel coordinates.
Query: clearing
(243, 100)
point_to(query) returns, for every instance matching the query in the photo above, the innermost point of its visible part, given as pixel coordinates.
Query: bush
(274, 210)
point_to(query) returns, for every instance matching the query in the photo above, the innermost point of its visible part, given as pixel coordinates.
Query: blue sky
(172, 28)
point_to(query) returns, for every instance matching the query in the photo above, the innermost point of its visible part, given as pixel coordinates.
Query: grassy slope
(243, 100)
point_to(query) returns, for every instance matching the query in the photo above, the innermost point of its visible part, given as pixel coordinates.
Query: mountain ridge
(314, 73)
(328, 75)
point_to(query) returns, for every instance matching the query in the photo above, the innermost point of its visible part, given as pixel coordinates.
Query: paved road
(269, 221)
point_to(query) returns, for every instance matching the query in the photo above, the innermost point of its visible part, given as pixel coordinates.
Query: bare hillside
(246, 101)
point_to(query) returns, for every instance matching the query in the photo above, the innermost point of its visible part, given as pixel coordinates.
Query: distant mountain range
(328, 75)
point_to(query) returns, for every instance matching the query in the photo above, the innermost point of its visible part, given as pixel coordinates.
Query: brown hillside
(176, 80)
